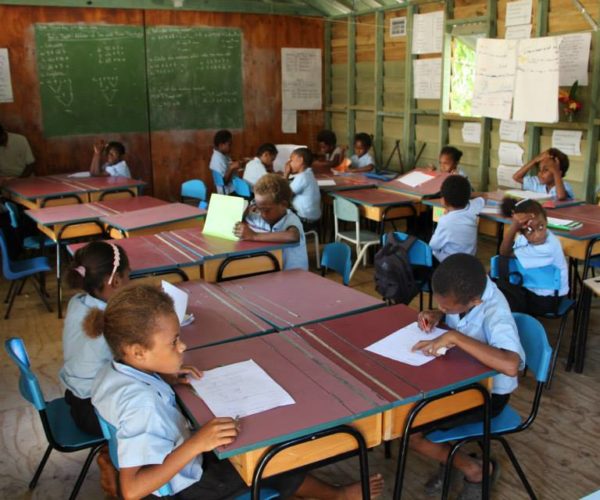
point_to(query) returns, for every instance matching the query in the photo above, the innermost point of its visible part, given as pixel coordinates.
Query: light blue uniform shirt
(84, 356)
(549, 253)
(254, 171)
(307, 199)
(142, 407)
(362, 161)
(220, 163)
(120, 169)
(491, 323)
(456, 231)
(294, 257)
(532, 183)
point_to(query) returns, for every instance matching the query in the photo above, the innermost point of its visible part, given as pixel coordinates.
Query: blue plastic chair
(194, 188)
(110, 433)
(242, 188)
(538, 355)
(17, 273)
(219, 181)
(30, 243)
(540, 277)
(61, 431)
(419, 254)
(337, 256)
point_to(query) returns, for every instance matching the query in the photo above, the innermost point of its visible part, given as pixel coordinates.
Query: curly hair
(276, 187)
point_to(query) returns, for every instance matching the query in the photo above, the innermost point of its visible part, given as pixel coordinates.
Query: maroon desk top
(154, 216)
(427, 188)
(346, 181)
(43, 187)
(293, 298)
(102, 183)
(376, 197)
(121, 205)
(218, 317)
(350, 335)
(324, 394)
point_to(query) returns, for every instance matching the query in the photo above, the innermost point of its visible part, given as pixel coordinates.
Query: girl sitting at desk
(552, 167)
(108, 160)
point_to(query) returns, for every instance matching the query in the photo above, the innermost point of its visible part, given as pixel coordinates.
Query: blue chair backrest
(337, 256)
(242, 188)
(537, 277)
(13, 213)
(218, 179)
(28, 382)
(6, 268)
(419, 254)
(534, 340)
(194, 188)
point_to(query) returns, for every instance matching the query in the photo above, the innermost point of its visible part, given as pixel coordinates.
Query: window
(462, 74)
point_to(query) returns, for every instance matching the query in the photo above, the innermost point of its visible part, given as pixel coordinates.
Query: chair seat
(564, 307)
(65, 432)
(365, 236)
(27, 267)
(508, 420)
(265, 494)
(34, 243)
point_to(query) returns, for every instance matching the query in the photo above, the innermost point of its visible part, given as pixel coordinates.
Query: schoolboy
(330, 154)
(108, 160)
(220, 161)
(307, 196)
(553, 165)
(261, 164)
(361, 160)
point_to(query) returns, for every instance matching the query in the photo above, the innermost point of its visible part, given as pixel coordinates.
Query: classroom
(272, 249)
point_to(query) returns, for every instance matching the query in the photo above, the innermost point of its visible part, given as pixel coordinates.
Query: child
(361, 160)
(482, 325)
(449, 159)
(155, 443)
(100, 269)
(456, 231)
(220, 161)
(114, 164)
(262, 164)
(307, 196)
(330, 155)
(553, 166)
(270, 219)
(529, 240)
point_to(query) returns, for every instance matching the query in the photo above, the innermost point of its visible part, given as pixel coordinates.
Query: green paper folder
(563, 224)
(223, 213)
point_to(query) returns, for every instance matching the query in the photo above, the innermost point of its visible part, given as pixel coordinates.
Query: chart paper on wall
(428, 33)
(574, 58)
(301, 78)
(427, 78)
(6, 91)
(568, 141)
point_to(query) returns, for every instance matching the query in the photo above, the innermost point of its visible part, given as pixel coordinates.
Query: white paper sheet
(398, 345)
(568, 141)
(428, 33)
(180, 299)
(6, 91)
(397, 27)
(415, 178)
(301, 78)
(239, 390)
(490, 210)
(505, 176)
(518, 12)
(325, 182)
(511, 130)
(284, 151)
(536, 84)
(495, 67)
(289, 121)
(518, 32)
(427, 78)
(80, 175)
(471, 133)
(521, 194)
(574, 58)
(510, 154)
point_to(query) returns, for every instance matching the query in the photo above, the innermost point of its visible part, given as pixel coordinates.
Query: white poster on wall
(518, 12)
(574, 58)
(427, 78)
(301, 78)
(428, 33)
(511, 130)
(471, 132)
(505, 176)
(397, 27)
(289, 121)
(568, 141)
(510, 153)
(6, 91)
(518, 32)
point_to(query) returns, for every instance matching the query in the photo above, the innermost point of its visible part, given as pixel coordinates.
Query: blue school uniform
(491, 323)
(549, 253)
(254, 170)
(456, 231)
(220, 163)
(307, 199)
(84, 356)
(118, 169)
(142, 407)
(361, 161)
(532, 183)
(294, 257)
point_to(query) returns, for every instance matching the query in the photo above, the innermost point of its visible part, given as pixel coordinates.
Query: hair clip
(80, 270)
(116, 262)
(521, 201)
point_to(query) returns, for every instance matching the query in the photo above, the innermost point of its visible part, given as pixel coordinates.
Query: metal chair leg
(11, 300)
(40, 467)
(84, 470)
(561, 330)
(517, 467)
(12, 284)
(42, 295)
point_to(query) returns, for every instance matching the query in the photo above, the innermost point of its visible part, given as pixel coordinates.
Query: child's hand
(436, 347)
(219, 431)
(521, 220)
(182, 376)
(287, 170)
(233, 166)
(430, 167)
(243, 231)
(99, 147)
(428, 320)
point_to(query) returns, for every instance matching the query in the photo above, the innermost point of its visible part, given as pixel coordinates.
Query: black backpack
(394, 276)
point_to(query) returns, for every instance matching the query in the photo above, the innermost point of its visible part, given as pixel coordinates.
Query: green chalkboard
(92, 78)
(194, 77)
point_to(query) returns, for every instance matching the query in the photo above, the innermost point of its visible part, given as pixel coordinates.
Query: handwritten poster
(6, 92)
(495, 66)
(427, 78)
(428, 33)
(536, 84)
(511, 130)
(510, 154)
(518, 32)
(471, 132)
(289, 121)
(518, 12)
(505, 174)
(574, 58)
(568, 141)
(301, 78)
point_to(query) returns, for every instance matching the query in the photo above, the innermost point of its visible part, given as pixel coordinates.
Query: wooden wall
(163, 159)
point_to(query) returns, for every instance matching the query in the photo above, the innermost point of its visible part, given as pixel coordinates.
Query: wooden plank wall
(165, 159)
(563, 17)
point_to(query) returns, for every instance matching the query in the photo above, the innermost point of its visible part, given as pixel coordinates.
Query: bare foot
(354, 491)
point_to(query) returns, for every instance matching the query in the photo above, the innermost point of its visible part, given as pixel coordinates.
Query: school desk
(591, 286)
(427, 189)
(37, 192)
(293, 298)
(224, 259)
(153, 220)
(99, 188)
(345, 182)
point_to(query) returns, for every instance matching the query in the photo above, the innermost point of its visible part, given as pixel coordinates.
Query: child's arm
(244, 232)
(138, 482)
(231, 169)
(518, 222)
(96, 165)
(519, 175)
(501, 360)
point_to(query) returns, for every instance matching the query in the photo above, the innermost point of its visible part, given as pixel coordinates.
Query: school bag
(394, 276)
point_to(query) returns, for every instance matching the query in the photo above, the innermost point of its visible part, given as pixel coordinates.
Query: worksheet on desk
(398, 345)
(240, 389)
